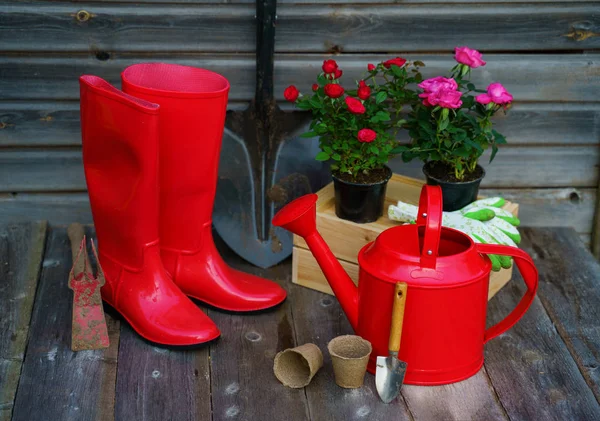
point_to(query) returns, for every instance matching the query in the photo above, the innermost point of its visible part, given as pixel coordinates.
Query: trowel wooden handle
(397, 316)
(76, 232)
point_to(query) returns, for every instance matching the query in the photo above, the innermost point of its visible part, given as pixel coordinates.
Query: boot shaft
(120, 157)
(193, 104)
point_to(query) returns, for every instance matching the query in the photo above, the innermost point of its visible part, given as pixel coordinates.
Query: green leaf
(383, 116)
(374, 149)
(309, 134)
(327, 149)
(462, 151)
(304, 105)
(494, 151)
(397, 71)
(315, 103)
(498, 138)
(419, 63)
(381, 96)
(444, 124)
(473, 144)
(336, 157)
(470, 86)
(322, 79)
(322, 156)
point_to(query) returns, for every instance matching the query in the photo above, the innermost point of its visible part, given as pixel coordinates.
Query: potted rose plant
(451, 128)
(356, 132)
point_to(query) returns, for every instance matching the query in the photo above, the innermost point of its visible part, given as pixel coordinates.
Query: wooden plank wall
(547, 54)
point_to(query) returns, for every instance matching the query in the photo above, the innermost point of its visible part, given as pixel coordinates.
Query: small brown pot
(295, 367)
(350, 356)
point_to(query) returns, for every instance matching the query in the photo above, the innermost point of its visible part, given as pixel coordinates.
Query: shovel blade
(389, 377)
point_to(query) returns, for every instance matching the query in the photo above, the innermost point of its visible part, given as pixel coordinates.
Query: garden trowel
(89, 329)
(389, 375)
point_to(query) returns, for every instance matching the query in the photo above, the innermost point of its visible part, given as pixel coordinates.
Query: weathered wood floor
(545, 368)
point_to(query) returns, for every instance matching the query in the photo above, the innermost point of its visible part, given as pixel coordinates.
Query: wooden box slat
(346, 238)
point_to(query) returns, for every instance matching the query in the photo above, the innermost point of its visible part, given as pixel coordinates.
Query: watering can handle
(430, 215)
(530, 276)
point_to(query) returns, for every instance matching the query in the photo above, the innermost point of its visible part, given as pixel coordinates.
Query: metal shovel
(264, 164)
(390, 371)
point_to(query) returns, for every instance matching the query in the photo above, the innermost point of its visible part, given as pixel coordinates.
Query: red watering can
(448, 279)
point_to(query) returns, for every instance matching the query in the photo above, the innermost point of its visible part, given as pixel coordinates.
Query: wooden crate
(346, 238)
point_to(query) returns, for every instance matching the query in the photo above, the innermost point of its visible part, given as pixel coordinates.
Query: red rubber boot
(192, 116)
(120, 157)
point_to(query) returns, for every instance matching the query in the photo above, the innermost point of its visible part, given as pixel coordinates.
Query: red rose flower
(315, 87)
(291, 93)
(363, 90)
(329, 66)
(355, 106)
(370, 67)
(333, 90)
(366, 135)
(337, 74)
(398, 61)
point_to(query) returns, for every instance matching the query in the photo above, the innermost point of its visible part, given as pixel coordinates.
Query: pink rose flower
(366, 135)
(437, 83)
(496, 93)
(445, 98)
(472, 58)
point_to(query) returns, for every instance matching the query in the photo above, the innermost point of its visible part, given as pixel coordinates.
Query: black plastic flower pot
(360, 203)
(456, 195)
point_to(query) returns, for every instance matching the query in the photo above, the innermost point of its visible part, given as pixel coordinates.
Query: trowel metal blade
(254, 183)
(389, 377)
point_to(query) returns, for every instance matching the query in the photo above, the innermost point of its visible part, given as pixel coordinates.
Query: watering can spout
(299, 217)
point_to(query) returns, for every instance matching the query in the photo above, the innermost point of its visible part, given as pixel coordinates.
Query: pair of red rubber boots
(151, 155)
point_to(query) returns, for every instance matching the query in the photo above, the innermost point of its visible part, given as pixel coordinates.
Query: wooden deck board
(530, 367)
(243, 384)
(544, 368)
(318, 318)
(56, 383)
(159, 384)
(21, 252)
(570, 293)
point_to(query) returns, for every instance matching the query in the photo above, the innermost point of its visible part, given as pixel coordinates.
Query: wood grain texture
(57, 208)
(531, 368)
(97, 27)
(56, 383)
(56, 123)
(543, 77)
(472, 399)
(243, 384)
(552, 207)
(32, 170)
(21, 253)
(57, 77)
(572, 305)
(499, 27)
(318, 319)
(351, 28)
(160, 384)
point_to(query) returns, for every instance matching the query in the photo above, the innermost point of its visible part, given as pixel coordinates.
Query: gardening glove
(492, 230)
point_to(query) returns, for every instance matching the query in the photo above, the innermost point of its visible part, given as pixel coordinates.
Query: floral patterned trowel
(89, 329)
